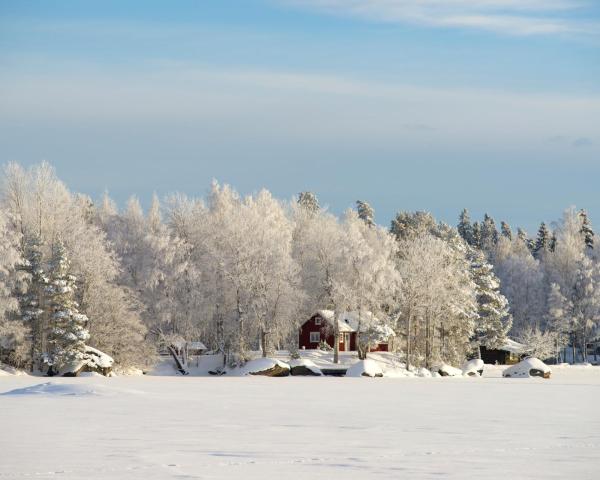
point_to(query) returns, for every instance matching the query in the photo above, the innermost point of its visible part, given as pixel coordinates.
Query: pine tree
(465, 229)
(552, 245)
(365, 213)
(309, 201)
(32, 301)
(505, 229)
(542, 243)
(68, 332)
(586, 229)
(489, 233)
(477, 235)
(494, 320)
(523, 237)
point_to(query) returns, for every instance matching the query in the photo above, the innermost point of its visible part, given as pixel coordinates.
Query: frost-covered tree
(13, 332)
(317, 250)
(438, 299)
(67, 331)
(494, 321)
(489, 233)
(522, 282)
(407, 225)
(32, 298)
(369, 277)
(586, 229)
(465, 229)
(505, 230)
(539, 343)
(41, 207)
(477, 235)
(365, 212)
(309, 201)
(542, 242)
(577, 276)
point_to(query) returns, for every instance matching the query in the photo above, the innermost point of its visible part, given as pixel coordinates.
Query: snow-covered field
(153, 427)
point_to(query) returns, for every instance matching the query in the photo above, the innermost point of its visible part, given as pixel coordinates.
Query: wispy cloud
(513, 17)
(315, 108)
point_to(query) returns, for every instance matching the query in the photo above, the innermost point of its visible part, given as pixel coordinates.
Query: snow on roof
(348, 322)
(196, 346)
(512, 346)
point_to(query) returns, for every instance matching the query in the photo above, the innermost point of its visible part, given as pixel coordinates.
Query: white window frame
(314, 335)
(317, 320)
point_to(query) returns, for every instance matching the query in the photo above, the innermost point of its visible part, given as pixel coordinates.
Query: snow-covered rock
(93, 360)
(423, 372)
(530, 367)
(473, 368)
(303, 366)
(446, 370)
(268, 367)
(365, 368)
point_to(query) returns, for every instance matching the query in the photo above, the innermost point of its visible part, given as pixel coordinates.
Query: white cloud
(293, 106)
(515, 17)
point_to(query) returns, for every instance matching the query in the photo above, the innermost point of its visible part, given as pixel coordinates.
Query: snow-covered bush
(446, 370)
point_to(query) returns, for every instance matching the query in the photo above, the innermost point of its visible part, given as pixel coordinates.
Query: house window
(315, 337)
(317, 320)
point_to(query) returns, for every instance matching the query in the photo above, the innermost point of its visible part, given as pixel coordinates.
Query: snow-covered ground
(152, 427)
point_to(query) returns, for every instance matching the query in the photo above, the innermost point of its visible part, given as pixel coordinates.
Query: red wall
(326, 331)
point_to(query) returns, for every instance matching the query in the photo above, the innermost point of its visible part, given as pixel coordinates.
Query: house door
(345, 344)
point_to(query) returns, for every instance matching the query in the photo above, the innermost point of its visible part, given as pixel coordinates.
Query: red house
(319, 328)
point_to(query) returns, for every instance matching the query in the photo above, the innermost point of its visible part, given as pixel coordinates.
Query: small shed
(508, 354)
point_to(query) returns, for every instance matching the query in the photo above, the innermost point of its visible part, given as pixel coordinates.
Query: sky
(492, 105)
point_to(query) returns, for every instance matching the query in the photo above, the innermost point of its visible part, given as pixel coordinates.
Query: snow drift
(60, 389)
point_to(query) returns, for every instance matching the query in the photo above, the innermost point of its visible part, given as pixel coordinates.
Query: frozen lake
(321, 428)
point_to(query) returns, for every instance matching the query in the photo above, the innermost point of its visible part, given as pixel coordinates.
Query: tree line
(242, 273)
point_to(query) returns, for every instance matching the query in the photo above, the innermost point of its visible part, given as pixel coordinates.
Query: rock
(274, 371)
(93, 360)
(267, 367)
(446, 370)
(303, 367)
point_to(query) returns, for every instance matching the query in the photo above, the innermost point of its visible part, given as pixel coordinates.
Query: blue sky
(492, 105)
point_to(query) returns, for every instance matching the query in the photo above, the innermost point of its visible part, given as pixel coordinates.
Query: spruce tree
(586, 229)
(522, 236)
(543, 240)
(68, 332)
(465, 229)
(32, 299)
(365, 213)
(494, 320)
(489, 233)
(477, 243)
(505, 229)
(309, 201)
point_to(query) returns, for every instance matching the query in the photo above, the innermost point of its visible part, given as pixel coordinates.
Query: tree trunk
(263, 342)
(427, 341)
(408, 342)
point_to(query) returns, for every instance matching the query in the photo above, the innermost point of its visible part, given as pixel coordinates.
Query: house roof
(512, 346)
(349, 322)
